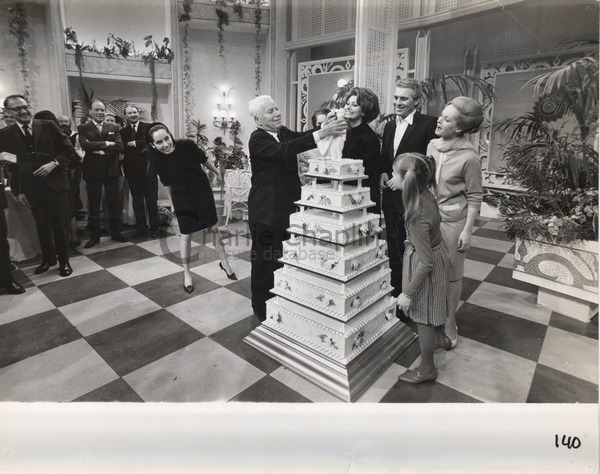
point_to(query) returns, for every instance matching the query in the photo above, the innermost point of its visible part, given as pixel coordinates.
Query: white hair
(255, 106)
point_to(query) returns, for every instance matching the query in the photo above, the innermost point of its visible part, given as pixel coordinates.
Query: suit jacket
(137, 159)
(96, 165)
(415, 139)
(3, 200)
(275, 181)
(49, 144)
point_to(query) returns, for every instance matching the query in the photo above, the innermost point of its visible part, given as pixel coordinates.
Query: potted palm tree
(551, 157)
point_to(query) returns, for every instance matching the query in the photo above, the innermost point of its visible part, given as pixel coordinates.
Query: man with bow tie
(140, 173)
(40, 182)
(102, 145)
(410, 132)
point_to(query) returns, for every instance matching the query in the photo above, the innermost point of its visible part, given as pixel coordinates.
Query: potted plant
(551, 157)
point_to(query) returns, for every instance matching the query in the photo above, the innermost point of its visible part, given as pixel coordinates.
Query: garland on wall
(257, 44)
(18, 27)
(222, 21)
(188, 98)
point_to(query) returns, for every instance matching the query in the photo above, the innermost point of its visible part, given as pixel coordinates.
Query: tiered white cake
(333, 318)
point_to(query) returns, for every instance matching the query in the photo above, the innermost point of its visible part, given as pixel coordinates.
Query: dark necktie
(134, 130)
(28, 136)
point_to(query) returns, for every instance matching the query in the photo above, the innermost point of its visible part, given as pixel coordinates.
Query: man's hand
(45, 170)
(109, 144)
(383, 181)
(21, 199)
(334, 127)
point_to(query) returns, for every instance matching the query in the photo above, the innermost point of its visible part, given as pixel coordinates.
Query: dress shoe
(451, 343)
(154, 234)
(119, 238)
(187, 288)
(65, 270)
(14, 288)
(43, 268)
(415, 376)
(90, 243)
(139, 233)
(231, 275)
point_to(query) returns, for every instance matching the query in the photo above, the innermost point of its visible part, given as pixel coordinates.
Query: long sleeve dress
(425, 265)
(191, 191)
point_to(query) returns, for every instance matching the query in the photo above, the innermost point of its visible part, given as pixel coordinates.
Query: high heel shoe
(187, 288)
(450, 343)
(231, 275)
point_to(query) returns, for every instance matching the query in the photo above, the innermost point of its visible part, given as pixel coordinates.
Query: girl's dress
(425, 265)
(191, 191)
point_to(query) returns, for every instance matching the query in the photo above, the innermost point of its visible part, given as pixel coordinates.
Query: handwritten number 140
(568, 441)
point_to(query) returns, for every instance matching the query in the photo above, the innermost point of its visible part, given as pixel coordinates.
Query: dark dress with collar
(191, 191)
(362, 144)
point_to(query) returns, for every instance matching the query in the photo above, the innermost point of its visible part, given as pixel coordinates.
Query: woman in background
(179, 166)
(459, 192)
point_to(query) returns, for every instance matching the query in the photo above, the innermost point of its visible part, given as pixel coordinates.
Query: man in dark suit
(102, 145)
(140, 173)
(6, 279)
(43, 154)
(275, 186)
(410, 132)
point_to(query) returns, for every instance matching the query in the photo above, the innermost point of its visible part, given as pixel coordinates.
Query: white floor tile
(477, 270)
(107, 310)
(140, 271)
(213, 272)
(201, 372)
(508, 300)
(212, 311)
(491, 244)
(80, 264)
(58, 375)
(15, 307)
(165, 245)
(570, 353)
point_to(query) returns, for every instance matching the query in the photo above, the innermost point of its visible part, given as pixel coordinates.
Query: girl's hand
(464, 241)
(403, 302)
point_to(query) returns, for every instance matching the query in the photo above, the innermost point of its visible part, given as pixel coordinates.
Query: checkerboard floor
(121, 328)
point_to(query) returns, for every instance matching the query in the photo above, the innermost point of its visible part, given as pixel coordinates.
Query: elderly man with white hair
(275, 187)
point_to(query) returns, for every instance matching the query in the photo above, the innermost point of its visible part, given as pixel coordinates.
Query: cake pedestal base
(345, 381)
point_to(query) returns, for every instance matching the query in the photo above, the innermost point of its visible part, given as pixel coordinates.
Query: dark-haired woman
(179, 166)
(362, 107)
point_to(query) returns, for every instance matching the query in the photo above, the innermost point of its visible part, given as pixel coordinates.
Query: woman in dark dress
(179, 166)
(362, 107)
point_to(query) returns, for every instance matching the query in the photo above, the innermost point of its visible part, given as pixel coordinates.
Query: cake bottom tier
(339, 340)
(347, 381)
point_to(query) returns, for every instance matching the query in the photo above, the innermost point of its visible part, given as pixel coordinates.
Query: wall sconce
(223, 116)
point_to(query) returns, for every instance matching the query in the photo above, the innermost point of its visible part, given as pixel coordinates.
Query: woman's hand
(464, 241)
(403, 302)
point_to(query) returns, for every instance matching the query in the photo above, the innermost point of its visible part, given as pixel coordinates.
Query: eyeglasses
(18, 108)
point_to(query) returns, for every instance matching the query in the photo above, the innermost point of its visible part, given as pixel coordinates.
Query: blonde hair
(418, 173)
(471, 114)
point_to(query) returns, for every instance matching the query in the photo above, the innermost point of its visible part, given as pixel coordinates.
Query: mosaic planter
(567, 275)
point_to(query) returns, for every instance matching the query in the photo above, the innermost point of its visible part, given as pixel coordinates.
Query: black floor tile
(503, 276)
(491, 233)
(485, 255)
(244, 256)
(241, 287)
(143, 340)
(27, 337)
(502, 331)
(21, 278)
(269, 390)
(119, 256)
(427, 392)
(81, 287)
(168, 290)
(552, 386)
(566, 323)
(232, 339)
(468, 288)
(116, 391)
(410, 354)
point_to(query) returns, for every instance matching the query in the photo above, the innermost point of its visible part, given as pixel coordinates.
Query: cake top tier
(343, 168)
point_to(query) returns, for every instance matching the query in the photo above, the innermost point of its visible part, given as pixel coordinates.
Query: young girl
(425, 262)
